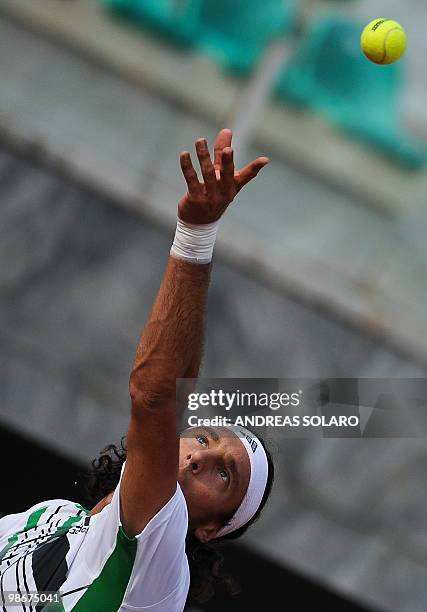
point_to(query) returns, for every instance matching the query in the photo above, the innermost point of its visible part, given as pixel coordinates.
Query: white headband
(257, 481)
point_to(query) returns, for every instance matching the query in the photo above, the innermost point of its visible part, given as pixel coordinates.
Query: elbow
(149, 396)
(135, 391)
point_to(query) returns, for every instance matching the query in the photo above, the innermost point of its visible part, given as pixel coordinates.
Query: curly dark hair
(205, 560)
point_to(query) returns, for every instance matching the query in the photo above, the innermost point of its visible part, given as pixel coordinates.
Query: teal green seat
(175, 20)
(330, 75)
(236, 32)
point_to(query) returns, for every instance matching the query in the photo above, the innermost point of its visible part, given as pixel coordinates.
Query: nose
(202, 460)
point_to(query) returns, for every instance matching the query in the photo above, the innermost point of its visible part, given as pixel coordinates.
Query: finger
(250, 171)
(189, 173)
(227, 170)
(223, 140)
(206, 166)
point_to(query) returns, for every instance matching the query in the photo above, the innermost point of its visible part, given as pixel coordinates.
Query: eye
(224, 475)
(203, 440)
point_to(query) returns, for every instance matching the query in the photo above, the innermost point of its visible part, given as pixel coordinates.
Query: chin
(182, 479)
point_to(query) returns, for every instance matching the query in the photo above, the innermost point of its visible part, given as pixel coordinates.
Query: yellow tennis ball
(383, 41)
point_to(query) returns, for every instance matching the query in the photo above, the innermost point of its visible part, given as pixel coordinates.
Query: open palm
(207, 200)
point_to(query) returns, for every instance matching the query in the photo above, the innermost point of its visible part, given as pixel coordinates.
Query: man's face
(214, 472)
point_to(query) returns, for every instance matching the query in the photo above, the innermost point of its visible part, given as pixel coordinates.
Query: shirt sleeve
(159, 580)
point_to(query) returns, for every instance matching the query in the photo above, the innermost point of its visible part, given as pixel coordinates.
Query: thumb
(250, 171)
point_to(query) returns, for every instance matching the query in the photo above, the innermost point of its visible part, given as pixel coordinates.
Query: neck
(101, 504)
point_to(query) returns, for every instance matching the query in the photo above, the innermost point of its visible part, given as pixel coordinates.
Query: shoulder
(162, 538)
(173, 518)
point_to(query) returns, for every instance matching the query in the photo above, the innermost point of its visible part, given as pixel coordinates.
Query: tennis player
(162, 501)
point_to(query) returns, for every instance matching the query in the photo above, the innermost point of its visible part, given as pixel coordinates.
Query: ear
(207, 533)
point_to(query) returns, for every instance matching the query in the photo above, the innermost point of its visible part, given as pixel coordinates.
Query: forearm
(172, 340)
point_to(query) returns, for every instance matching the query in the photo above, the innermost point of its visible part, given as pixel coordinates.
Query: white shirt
(57, 546)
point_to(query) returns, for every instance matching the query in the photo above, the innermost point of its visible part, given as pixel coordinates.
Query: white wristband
(194, 243)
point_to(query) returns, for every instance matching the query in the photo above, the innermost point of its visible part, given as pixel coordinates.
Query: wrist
(194, 243)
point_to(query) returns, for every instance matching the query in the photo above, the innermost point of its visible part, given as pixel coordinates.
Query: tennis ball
(383, 41)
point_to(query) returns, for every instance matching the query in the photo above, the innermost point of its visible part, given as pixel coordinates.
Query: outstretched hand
(206, 201)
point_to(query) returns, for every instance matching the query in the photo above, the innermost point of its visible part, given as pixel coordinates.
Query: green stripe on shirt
(106, 592)
(32, 521)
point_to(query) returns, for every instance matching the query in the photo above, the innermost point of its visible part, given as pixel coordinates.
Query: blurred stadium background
(320, 268)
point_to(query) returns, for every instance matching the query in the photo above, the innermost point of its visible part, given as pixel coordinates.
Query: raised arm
(172, 340)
